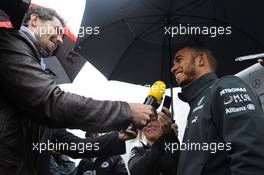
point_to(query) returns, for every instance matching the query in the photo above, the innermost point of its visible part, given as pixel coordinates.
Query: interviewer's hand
(141, 114)
(164, 118)
(261, 61)
(128, 134)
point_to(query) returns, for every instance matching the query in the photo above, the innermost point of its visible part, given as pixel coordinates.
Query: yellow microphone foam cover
(157, 90)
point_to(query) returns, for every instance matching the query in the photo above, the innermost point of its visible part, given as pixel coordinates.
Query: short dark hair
(198, 47)
(208, 52)
(44, 14)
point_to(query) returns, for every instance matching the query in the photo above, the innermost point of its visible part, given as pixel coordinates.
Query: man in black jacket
(29, 97)
(66, 143)
(153, 158)
(224, 132)
(103, 164)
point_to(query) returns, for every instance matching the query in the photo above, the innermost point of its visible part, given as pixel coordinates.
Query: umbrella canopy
(15, 9)
(137, 39)
(65, 65)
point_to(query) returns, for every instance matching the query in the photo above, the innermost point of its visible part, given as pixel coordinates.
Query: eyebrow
(177, 57)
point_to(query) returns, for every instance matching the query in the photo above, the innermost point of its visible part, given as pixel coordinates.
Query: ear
(34, 20)
(202, 58)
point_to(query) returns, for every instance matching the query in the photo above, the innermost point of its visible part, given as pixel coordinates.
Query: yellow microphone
(155, 94)
(154, 97)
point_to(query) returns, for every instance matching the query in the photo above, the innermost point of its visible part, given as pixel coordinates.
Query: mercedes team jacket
(225, 128)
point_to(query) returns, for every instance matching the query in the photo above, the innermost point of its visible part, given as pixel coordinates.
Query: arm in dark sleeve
(119, 166)
(26, 87)
(141, 163)
(144, 163)
(240, 120)
(106, 145)
(80, 169)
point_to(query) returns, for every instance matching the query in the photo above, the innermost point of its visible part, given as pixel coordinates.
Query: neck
(201, 72)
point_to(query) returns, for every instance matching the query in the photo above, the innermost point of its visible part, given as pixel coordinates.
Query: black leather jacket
(30, 97)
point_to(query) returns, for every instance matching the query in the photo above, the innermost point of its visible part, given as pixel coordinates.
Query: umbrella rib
(151, 6)
(116, 22)
(227, 24)
(197, 5)
(107, 25)
(161, 23)
(145, 16)
(186, 5)
(155, 30)
(163, 49)
(171, 4)
(212, 4)
(197, 17)
(186, 13)
(238, 29)
(243, 32)
(130, 46)
(137, 22)
(180, 16)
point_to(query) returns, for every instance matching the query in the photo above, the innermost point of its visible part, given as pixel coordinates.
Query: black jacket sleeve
(106, 145)
(240, 121)
(81, 167)
(33, 94)
(119, 166)
(146, 162)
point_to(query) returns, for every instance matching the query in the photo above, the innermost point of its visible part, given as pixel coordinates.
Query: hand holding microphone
(142, 113)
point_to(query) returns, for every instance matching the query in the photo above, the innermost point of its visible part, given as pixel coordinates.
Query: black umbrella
(15, 9)
(66, 64)
(134, 44)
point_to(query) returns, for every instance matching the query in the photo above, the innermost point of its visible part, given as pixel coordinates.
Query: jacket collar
(145, 146)
(194, 88)
(30, 35)
(28, 32)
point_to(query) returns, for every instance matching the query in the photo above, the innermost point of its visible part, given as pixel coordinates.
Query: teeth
(177, 76)
(152, 130)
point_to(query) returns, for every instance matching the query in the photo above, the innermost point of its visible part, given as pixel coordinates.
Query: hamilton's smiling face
(184, 67)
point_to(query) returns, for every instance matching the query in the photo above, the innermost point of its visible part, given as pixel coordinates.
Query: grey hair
(44, 14)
